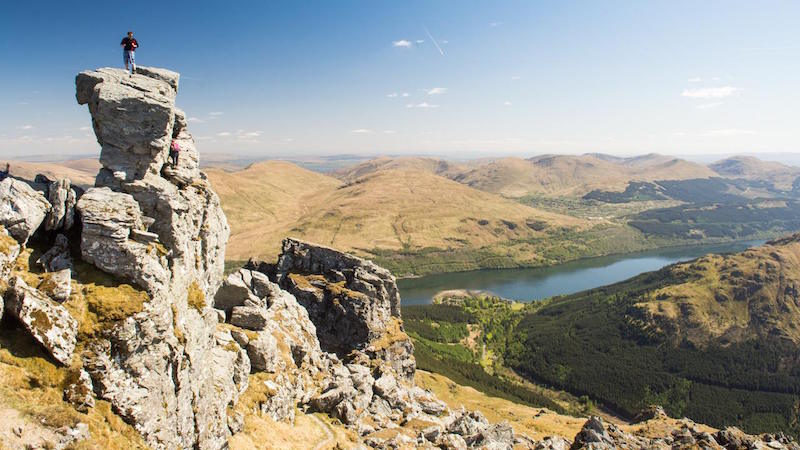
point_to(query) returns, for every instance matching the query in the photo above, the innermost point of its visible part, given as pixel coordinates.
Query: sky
(453, 78)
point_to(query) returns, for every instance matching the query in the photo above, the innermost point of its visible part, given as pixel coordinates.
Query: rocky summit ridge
(128, 300)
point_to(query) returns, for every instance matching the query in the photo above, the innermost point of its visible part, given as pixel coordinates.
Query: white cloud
(392, 95)
(421, 105)
(728, 132)
(194, 120)
(249, 134)
(224, 134)
(506, 103)
(445, 41)
(515, 77)
(495, 24)
(405, 94)
(389, 132)
(420, 41)
(288, 139)
(437, 91)
(215, 113)
(709, 105)
(361, 131)
(403, 43)
(694, 80)
(26, 127)
(84, 129)
(714, 92)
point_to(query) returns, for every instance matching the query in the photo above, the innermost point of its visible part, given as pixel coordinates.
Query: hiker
(174, 151)
(5, 173)
(129, 45)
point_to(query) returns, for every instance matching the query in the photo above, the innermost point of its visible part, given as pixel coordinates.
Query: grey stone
(108, 218)
(47, 322)
(22, 209)
(58, 256)
(62, 198)
(263, 353)
(250, 317)
(57, 285)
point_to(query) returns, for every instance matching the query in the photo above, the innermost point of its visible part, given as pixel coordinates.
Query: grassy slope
(263, 201)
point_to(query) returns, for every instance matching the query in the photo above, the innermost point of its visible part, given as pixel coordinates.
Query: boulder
(57, 285)
(249, 317)
(47, 322)
(263, 353)
(58, 256)
(62, 198)
(237, 290)
(22, 209)
(108, 218)
(78, 392)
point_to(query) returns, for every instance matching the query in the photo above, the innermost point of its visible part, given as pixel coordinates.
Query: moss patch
(99, 301)
(196, 298)
(6, 242)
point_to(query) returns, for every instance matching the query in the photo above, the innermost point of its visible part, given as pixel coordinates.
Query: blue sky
(455, 78)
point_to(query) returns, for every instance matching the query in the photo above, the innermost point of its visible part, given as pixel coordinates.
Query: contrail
(434, 41)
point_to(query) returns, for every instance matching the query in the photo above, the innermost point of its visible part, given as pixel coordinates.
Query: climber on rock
(129, 45)
(174, 152)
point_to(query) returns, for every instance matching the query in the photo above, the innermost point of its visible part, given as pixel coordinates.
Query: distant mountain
(80, 171)
(436, 166)
(569, 175)
(780, 175)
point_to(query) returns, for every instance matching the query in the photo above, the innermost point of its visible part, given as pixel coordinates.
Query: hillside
(779, 175)
(715, 339)
(264, 201)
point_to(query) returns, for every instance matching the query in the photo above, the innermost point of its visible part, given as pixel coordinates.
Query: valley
(714, 339)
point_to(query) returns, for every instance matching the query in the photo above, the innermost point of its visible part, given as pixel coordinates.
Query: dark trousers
(174, 157)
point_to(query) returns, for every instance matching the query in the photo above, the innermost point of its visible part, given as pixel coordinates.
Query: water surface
(540, 283)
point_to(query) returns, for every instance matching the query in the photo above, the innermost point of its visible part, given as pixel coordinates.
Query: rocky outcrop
(353, 302)
(22, 209)
(164, 369)
(46, 321)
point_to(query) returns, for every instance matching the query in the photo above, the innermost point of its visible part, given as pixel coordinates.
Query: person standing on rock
(174, 152)
(129, 45)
